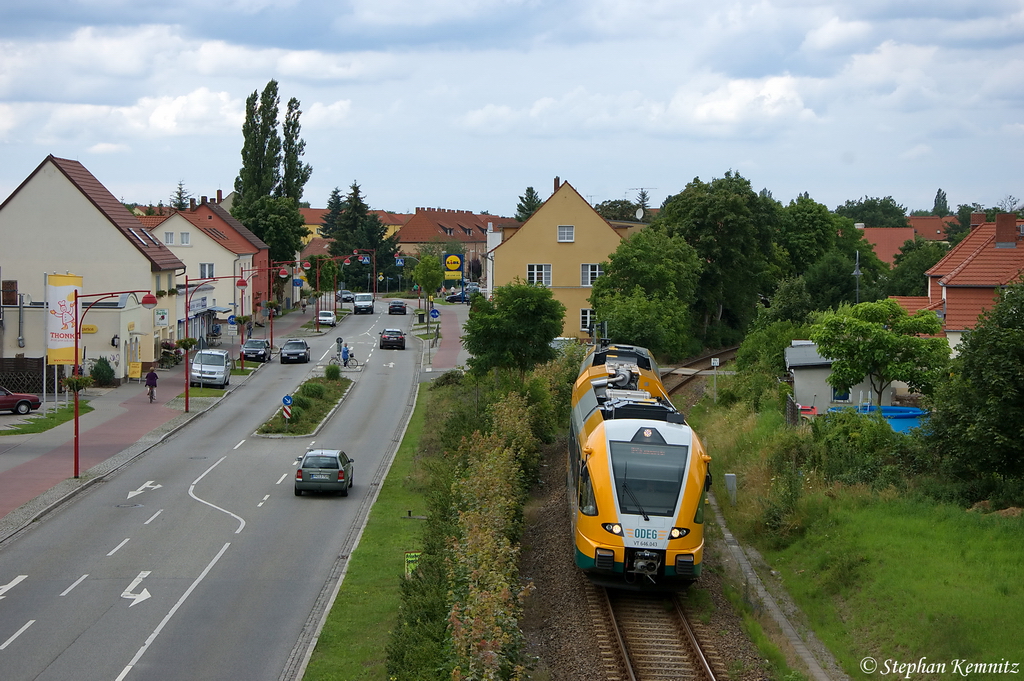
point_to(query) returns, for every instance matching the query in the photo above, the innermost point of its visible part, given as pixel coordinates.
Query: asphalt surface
(209, 558)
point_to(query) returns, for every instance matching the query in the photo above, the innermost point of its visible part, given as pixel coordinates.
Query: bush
(300, 401)
(314, 391)
(332, 372)
(102, 373)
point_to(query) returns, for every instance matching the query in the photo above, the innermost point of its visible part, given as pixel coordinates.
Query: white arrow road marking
(148, 485)
(4, 588)
(390, 365)
(142, 595)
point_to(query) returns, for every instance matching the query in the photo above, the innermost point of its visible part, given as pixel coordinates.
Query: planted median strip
(311, 403)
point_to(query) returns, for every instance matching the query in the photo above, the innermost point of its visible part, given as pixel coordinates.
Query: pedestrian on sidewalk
(151, 384)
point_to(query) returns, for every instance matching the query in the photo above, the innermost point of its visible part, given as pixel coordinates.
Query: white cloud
(836, 34)
(109, 148)
(322, 115)
(916, 152)
(429, 12)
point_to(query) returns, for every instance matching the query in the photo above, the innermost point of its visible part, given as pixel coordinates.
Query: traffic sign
(231, 319)
(714, 361)
(296, 282)
(380, 277)
(435, 313)
(399, 262)
(287, 412)
(287, 400)
(305, 264)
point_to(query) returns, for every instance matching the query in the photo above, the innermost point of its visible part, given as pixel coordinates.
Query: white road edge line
(191, 493)
(114, 550)
(239, 444)
(18, 633)
(77, 582)
(170, 613)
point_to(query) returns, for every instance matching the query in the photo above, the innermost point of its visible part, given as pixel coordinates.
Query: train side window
(588, 503)
(698, 518)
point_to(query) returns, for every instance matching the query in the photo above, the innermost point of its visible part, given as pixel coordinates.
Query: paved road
(197, 561)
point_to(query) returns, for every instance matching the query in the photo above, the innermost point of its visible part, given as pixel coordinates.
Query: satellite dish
(639, 213)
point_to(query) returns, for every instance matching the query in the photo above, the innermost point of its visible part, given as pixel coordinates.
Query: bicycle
(336, 360)
(151, 389)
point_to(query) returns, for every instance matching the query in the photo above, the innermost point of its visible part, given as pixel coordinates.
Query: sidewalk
(449, 353)
(37, 470)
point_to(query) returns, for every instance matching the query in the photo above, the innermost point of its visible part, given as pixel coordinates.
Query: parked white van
(210, 367)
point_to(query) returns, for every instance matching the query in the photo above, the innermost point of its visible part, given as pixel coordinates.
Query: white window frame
(186, 239)
(206, 270)
(586, 316)
(566, 234)
(589, 272)
(168, 238)
(544, 271)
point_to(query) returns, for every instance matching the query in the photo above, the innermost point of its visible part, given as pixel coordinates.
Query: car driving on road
(346, 296)
(294, 350)
(392, 338)
(363, 303)
(324, 470)
(18, 403)
(396, 307)
(257, 350)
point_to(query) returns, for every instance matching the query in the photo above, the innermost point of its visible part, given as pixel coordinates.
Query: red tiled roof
(220, 232)
(317, 246)
(315, 216)
(439, 224)
(151, 221)
(887, 241)
(159, 256)
(931, 227)
(234, 224)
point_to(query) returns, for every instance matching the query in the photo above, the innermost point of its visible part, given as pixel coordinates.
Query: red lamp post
(148, 302)
(373, 261)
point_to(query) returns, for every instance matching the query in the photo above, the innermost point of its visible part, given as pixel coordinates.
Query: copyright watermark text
(888, 667)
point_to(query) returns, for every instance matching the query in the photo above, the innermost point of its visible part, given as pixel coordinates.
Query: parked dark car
(257, 349)
(18, 403)
(324, 470)
(397, 307)
(294, 350)
(459, 297)
(346, 296)
(392, 338)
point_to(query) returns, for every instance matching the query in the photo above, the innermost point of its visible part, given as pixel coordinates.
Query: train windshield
(648, 476)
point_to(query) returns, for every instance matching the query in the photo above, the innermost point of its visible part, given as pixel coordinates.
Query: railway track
(646, 637)
(677, 377)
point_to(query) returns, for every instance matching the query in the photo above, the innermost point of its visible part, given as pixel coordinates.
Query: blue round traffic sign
(435, 313)
(231, 319)
(287, 400)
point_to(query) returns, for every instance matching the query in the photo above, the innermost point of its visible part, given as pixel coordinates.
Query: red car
(18, 403)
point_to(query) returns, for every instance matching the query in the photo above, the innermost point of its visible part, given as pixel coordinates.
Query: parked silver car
(324, 470)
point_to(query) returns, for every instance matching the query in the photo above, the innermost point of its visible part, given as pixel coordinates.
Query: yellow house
(562, 246)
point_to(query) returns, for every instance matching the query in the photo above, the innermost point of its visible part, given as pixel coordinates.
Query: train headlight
(678, 532)
(614, 528)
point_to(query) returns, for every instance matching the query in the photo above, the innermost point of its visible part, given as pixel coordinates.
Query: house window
(840, 395)
(206, 270)
(588, 273)
(566, 233)
(539, 274)
(185, 239)
(586, 319)
(169, 238)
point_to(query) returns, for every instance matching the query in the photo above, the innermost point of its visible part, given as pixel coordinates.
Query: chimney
(202, 200)
(976, 219)
(557, 183)
(220, 195)
(191, 204)
(1006, 230)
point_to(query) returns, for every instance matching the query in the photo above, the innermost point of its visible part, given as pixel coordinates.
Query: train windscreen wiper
(627, 490)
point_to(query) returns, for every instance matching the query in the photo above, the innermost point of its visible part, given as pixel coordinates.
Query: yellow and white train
(637, 477)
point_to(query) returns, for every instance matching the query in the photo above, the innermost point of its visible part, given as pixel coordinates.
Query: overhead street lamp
(148, 301)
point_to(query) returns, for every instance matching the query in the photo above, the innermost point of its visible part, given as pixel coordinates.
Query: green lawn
(353, 643)
(38, 423)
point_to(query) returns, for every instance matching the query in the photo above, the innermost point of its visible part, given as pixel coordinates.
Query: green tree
(619, 209)
(428, 274)
(956, 231)
(875, 212)
(335, 206)
(294, 173)
(514, 330)
(730, 227)
(881, 342)
(915, 258)
(528, 204)
(977, 422)
(643, 199)
(791, 302)
(358, 228)
(180, 197)
(261, 152)
(807, 230)
(322, 273)
(646, 290)
(830, 281)
(940, 207)
(278, 222)
(765, 348)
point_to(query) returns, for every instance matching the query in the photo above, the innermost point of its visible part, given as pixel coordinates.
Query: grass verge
(313, 401)
(353, 644)
(39, 423)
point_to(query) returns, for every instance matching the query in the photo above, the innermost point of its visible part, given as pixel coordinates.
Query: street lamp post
(148, 302)
(373, 260)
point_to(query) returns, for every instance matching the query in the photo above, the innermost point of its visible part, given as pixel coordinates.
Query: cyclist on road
(151, 384)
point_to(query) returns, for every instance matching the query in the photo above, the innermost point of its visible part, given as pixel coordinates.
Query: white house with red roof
(967, 280)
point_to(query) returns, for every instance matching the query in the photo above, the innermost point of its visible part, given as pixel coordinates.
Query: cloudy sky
(464, 103)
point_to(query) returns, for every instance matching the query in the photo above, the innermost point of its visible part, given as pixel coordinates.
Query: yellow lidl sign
(453, 266)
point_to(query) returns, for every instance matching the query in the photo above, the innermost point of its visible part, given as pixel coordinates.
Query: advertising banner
(63, 310)
(452, 266)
